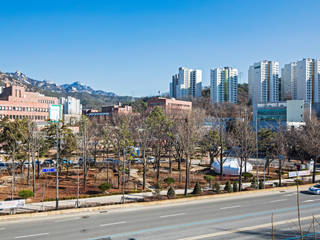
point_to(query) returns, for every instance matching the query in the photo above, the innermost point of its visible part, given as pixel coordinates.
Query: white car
(150, 159)
(315, 189)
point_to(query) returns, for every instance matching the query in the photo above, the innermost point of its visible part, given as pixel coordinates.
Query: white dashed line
(2, 229)
(172, 215)
(310, 200)
(279, 200)
(110, 224)
(230, 207)
(67, 220)
(33, 235)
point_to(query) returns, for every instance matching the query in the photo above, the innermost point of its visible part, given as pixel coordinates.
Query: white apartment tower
(186, 84)
(289, 81)
(224, 85)
(263, 78)
(308, 77)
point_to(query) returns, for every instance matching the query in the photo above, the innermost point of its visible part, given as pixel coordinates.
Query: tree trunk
(279, 172)
(314, 169)
(144, 170)
(240, 175)
(170, 163)
(38, 166)
(119, 169)
(28, 176)
(187, 176)
(221, 162)
(179, 168)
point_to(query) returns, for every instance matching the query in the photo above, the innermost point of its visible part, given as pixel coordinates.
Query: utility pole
(13, 171)
(57, 168)
(123, 176)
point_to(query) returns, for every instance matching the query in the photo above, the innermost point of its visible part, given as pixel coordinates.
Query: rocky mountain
(89, 97)
(51, 86)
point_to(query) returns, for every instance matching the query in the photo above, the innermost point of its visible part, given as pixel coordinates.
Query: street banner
(12, 204)
(299, 173)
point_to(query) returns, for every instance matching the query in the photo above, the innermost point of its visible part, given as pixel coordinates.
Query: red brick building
(16, 103)
(107, 112)
(171, 105)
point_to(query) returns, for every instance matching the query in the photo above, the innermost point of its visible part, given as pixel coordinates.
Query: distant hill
(89, 97)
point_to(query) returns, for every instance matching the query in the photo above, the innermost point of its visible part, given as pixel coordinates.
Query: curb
(140, 204)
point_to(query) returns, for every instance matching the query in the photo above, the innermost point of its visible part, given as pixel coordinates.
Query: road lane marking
(207, 221)
(172, 215)
(2, 229)
(266, 225)
(279, 200)
(230, 207)
(110, 224)
(310, 200)
(32, 235)
(66, 220)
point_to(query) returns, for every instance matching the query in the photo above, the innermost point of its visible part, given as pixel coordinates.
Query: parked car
(110, 161)
(315, 189)
(65, 161)
(48, 162)
(150, 159)
(90, 161)
(137, 161)
(2, 166)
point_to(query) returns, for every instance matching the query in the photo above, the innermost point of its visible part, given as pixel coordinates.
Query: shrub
(105, 186)
(26, 193)
(254, 183)
(169, 180)
(171, 193)
(247, 175)
(261, 184)
(217, 187)
(209, 179)
(157, 187)
(228, 187)
(235, 187)
(197, 189)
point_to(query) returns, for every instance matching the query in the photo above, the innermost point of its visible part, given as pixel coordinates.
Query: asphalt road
(237, 217)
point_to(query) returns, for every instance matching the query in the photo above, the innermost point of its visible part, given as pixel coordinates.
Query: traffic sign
(45, 170)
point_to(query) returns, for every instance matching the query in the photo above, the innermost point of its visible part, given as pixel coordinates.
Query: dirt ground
(68, 180)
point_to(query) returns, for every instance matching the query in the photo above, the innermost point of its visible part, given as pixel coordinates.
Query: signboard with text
(299, 173)
(45, 170)
(12, 204)
(54, 113)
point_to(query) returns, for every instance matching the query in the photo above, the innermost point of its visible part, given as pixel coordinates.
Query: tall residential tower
(186, 84)
(263, 78)
(224, 85)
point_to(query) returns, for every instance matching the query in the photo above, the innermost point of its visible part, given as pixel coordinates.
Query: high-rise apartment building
(289, 81)
(224, 85)
(308, 77)
(263, 78)
(186, 84)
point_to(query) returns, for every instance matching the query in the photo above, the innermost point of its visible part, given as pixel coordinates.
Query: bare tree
(244, 141)
(311, 139)
(189, 133)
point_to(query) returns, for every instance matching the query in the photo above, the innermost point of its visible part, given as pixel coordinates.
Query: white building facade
(72, 109)
(187, 84)
(308, 77)
(263, 78)
(224, 85)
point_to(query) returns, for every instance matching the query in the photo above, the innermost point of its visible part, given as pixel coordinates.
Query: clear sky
(133, 47)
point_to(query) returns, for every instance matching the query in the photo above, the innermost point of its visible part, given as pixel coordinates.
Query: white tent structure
(230, 166)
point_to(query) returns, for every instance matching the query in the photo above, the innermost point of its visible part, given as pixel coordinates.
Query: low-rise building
(72, 109)
(171, 106)
(274, 115)
(107, 112)
(17, 103)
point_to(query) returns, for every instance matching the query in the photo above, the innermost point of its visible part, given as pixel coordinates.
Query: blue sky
(133, 47)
